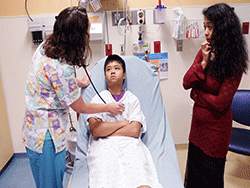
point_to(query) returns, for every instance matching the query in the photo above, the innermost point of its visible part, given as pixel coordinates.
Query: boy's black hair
(117, 58)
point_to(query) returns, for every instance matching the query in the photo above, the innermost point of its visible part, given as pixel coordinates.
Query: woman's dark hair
(70, 39)
(227, 42)
(117, 58)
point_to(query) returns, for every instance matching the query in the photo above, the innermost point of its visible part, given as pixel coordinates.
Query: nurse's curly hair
(227, 41)
(70, 38)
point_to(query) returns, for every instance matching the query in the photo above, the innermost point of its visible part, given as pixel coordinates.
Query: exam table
(143, 81)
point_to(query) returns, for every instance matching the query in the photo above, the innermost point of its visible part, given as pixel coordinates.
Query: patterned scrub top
(50, 89)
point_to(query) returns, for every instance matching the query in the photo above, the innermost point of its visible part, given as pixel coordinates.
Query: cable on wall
(27, 10)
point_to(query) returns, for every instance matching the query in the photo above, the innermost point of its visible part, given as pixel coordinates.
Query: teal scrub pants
(48, 167)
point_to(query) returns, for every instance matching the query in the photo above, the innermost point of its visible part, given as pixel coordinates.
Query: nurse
(51, 88)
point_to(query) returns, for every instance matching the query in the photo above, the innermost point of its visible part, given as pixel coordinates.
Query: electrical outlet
(179, 45)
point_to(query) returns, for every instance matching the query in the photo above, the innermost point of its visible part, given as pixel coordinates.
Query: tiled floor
(18, 174)
(237, 172)
(237, 169)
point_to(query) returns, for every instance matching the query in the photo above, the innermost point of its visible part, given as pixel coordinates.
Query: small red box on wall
(157, 46)
(108, 49)
(245, 28)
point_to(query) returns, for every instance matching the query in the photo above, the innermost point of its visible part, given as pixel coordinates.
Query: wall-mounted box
(97, 26)
(132, 17)
(245, 28)
(159, 16)
(42, 25)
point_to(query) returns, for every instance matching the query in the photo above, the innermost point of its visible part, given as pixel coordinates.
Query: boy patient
(117, 157)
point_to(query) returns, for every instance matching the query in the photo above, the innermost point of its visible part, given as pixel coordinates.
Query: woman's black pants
(203, 171)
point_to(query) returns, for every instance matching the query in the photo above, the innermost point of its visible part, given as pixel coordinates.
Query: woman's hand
(115, 108)
(206, 49)
(84, 82)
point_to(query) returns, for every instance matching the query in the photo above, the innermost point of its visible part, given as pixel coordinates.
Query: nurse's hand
(84, 82)
(115, 108)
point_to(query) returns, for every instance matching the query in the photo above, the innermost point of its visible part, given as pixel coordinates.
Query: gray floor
(18, 174)
(237, 168)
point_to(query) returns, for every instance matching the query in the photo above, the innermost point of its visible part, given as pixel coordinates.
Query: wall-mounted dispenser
(160, 14)
(97, 26)
(42, 26)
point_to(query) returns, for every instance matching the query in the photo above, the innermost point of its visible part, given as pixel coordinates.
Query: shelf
(188, 29)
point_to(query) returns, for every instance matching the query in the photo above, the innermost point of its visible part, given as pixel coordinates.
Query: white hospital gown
(119, 161)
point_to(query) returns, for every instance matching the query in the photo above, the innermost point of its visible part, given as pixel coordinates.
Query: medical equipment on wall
(140, 47)
(97, 26)
(140, 20)
(124, 31)
(140, 17)
(159, 13)
(41, 26)
(108, 46)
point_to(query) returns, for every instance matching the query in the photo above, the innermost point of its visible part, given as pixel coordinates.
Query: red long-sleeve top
(211, 125)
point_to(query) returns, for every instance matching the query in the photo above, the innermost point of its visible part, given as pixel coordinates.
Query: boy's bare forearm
(99, 128)
(131, 130)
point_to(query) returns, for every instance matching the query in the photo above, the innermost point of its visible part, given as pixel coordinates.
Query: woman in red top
(214, 78)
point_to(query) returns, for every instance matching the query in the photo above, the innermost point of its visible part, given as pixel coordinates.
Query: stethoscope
(91, 84)
(94, 86)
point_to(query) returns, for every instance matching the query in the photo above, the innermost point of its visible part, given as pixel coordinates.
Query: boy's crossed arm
(99, 128)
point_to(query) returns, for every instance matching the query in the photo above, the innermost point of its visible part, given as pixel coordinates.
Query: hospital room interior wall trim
(17, 7)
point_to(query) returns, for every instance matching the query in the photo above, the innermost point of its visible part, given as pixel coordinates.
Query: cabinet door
(6, 149)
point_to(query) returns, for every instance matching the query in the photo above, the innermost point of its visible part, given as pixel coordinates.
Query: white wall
(16, 50)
